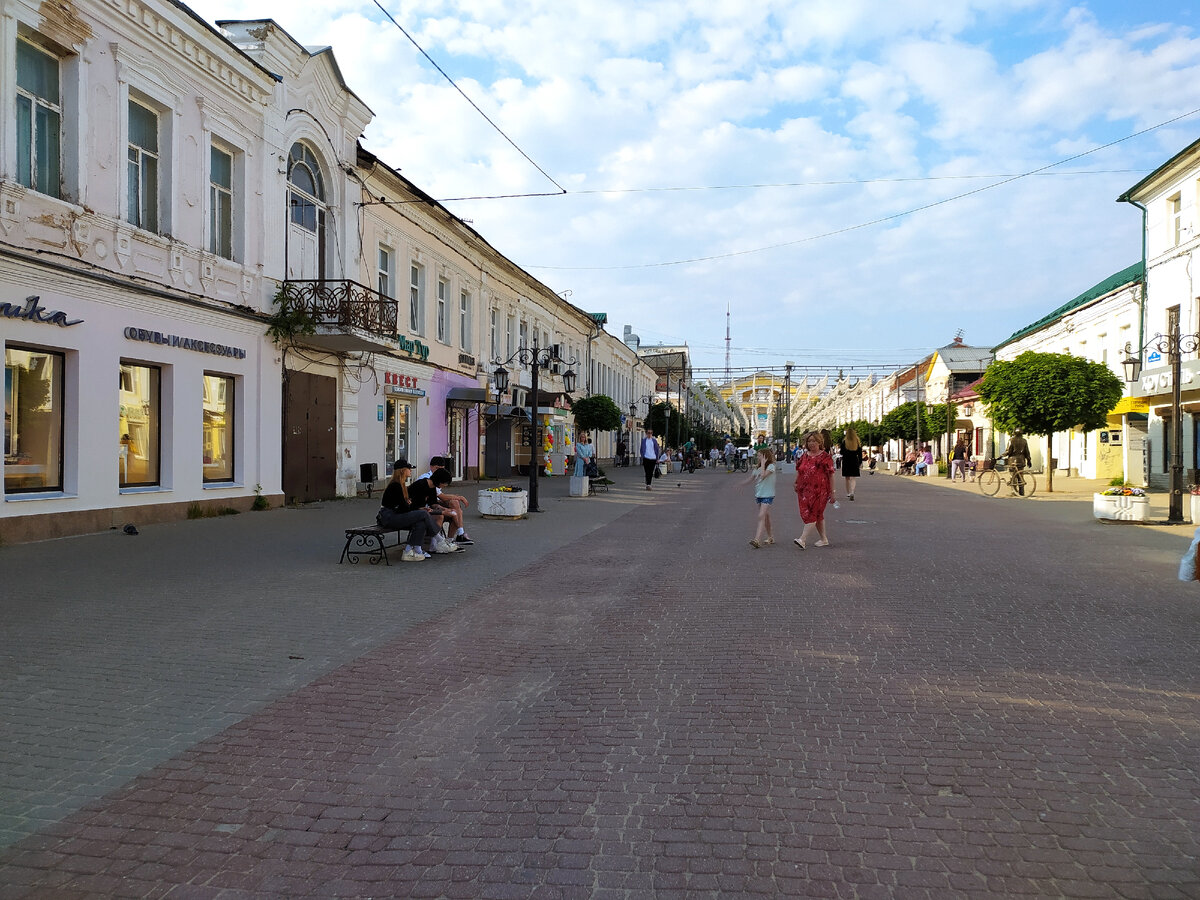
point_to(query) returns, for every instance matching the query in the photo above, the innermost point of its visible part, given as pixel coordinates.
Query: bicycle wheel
(989, 482)
(1030, 485)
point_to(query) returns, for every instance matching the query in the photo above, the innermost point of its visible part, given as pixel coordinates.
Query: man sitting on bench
(424, 491)
(456, 502)
(399, 510)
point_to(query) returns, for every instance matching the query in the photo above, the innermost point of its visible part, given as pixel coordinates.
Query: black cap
(401, 464)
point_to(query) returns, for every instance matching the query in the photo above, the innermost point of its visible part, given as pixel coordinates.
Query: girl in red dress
(814, 488)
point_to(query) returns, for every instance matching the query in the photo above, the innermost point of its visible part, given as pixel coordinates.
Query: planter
(1194, 501)
(579, 486)
(1121, 508)
(503, 504)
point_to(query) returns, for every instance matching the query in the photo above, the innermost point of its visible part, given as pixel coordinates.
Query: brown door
(309, 437)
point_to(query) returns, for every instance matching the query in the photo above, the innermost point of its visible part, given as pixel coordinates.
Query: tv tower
(728, 371)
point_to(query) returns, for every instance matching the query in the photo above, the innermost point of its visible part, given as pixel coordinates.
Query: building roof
(1129, 275)
(1177, 164)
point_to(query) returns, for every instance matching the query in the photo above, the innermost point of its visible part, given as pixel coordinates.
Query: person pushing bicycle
(1018, 457)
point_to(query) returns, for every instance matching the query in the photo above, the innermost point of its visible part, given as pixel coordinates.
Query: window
(39, 120)
(143, 167)
(386, 275)
(138, 425)
(220, 201)
(443, 311)
(416, 298)
(494, 341)
(464, 321)
(218, 427)
(509, 328)
(307, 215)
(33, 420)
(1175, 214)
(524, 335)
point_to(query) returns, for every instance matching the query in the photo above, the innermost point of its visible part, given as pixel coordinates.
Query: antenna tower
(728, 370)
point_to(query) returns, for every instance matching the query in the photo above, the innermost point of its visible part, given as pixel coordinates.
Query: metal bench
(368, 540)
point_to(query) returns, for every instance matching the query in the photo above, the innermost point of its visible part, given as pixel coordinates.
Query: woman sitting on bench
(400, 511)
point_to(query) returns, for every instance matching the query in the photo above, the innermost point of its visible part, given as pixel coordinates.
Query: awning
(466, 396)
(507, 410)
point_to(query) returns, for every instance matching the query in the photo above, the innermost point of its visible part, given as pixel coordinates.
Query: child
(764, 496)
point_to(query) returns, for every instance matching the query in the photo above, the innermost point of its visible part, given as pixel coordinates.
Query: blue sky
(904, 99)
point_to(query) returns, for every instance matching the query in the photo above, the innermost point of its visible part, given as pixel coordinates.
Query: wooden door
(309, 437)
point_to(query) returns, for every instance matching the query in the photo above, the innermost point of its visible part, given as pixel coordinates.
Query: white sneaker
(410, 555)
(439, 544)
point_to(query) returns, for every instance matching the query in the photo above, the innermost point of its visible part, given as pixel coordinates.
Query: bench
(368, 540)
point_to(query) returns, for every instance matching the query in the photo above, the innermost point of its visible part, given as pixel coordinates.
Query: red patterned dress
(813, 485)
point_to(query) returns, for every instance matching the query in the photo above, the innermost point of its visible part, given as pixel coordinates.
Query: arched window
(306, 214)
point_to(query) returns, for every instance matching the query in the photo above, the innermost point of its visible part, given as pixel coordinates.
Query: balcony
(349, 316)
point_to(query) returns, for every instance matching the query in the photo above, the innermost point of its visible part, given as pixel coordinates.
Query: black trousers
(649, 464)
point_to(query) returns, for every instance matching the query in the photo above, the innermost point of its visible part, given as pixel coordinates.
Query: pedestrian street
(960, 696)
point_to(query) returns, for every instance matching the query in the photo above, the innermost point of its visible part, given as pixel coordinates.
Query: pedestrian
(584, 451)
(958, 461)
(1018, 457)
(852, 453)
(399, 511)
(650, 452)
(814, 489)
(764, 496)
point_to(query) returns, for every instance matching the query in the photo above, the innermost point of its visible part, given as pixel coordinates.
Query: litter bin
(368, 473)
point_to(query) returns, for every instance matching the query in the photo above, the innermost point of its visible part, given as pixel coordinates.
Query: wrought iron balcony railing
(345, 304)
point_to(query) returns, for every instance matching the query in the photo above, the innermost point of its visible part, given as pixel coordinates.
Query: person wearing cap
(456, 502)
(424, 492)
(399, 510)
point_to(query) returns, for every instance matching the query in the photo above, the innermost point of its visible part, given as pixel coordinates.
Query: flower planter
(503, 504)
(1121, 508)
(579, 486)
(1194, 501)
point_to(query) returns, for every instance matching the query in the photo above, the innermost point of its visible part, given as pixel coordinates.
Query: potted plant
(1121, 503)
(503, 502)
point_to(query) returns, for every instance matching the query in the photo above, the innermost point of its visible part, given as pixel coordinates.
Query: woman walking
(958, 461)
(852, 451)
(814, 489)
(764, 496)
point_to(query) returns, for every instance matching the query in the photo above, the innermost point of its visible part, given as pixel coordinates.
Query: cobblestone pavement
(960, 697)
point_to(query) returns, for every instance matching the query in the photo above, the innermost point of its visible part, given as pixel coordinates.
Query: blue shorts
(766, 500)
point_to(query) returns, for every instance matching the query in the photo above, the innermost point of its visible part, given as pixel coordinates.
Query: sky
(856, 181)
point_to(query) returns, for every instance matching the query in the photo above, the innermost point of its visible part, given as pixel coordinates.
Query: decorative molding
(148, 21)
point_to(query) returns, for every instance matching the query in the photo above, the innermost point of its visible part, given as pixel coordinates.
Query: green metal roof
(1129, 275)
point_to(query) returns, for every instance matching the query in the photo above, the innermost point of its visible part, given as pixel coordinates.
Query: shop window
(139, 425)
(39, 119)
(218, 427)
(33, 420)
(396, 431)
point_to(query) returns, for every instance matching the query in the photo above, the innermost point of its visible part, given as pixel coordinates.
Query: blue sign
(379, 413)
(1154, 357)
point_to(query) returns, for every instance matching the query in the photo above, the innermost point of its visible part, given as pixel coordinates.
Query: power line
(474, 105)
(877, 221)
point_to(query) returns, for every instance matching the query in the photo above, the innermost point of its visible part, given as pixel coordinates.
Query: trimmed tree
(1044, 393)
(596, 413)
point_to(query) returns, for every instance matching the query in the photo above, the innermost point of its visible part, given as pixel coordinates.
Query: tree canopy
(596, 413)
(1042, 393)
(901, 422)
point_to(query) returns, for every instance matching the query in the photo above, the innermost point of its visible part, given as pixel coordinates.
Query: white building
(1096, 325)
(135, 157)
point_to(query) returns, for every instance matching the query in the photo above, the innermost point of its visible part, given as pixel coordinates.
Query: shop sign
(404, 385)
(174, 340)
(1159, 381)
(32, 311)
(413, 348)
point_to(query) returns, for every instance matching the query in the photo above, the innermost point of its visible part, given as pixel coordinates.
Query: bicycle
(1021, 482)
(741, 464)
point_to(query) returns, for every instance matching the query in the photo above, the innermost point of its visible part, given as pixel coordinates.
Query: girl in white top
(764, 496)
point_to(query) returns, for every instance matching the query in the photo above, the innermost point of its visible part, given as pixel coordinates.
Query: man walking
(650, 453)
(1019, 458)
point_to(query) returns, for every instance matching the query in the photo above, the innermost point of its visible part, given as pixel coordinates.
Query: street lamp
(1174, 345)
(535, 358)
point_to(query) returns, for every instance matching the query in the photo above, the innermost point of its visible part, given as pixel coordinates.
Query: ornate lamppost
(536, 358)
(1174, 345)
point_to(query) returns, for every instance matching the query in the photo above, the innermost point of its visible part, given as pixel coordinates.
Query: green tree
(596, 413)
(656, 420)
(1043, 393)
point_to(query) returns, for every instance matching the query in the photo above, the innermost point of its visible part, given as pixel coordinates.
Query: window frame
(215, 190)
(464, 320)
(443, 311)
(157, 422)
(145, 217)
(385, 275)
(12, 421)
(416, 298)
(230, 400)
(33, 179)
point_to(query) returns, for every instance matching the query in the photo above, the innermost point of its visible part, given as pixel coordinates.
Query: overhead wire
(463, 93)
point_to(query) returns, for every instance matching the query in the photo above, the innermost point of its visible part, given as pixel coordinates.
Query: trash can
(368, 473)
